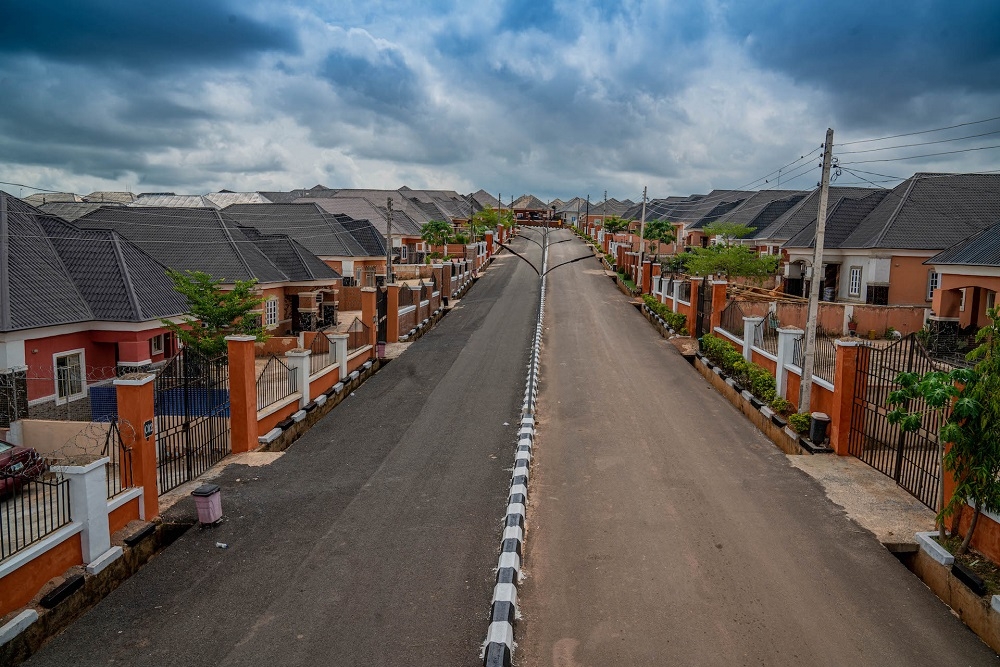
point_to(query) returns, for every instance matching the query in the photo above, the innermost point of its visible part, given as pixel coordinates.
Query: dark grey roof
(173, 201)
(751, 206)
(803, 213)
(119, 281)
(931, 212)
(189, 239)
(318, 231)
(52, 197)
(57, 273)
(484, 199)
(364, 233)
(290, 256)
(691, 209)
(225, 198)
(362, 208)
(614, 207)
(841, 221)
(981, 249)
(110, 197)
(70, 211)
(453, 205)
(378, 198)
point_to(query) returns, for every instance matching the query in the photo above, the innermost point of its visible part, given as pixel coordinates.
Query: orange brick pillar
(242, 393)
(718, 301)
(135, 411)
(368, 315)
(647, 277)
(392, 313)
(844, 387)
(692, 309)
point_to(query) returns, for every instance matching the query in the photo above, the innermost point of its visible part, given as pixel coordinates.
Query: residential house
(79, 307)
(529, 208)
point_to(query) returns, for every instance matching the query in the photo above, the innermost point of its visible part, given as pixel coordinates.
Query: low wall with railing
(47, 436)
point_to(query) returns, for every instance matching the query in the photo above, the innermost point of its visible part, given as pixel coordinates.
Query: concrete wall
(49, 436)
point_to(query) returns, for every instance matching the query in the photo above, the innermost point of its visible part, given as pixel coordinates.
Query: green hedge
(675, 321)
(755, 379)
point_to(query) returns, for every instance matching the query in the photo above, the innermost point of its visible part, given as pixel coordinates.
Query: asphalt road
(663, 529)
(372, 541)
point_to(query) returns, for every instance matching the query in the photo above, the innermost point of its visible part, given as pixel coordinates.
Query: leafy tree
(437, 232)
(972, 429)
(490, 218)
(462, 238)
(677, 263)
(614, 224)
(735, 261)
(727, 231)
(657, 232)
(215, 313)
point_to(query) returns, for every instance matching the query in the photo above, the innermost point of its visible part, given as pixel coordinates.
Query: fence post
(749, 326)
(786, 352)
(844, 387)
(692, 313)
(242, 393)
(718, 302)
(298, 364)
(339, 342)
(392, 313)
(647, 277)
(88, 505)
(135, 407)
(369, 315)
(677, 295)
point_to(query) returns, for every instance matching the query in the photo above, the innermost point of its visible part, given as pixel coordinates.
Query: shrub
(756, 379)
(675, 321)
(799, 422)
(781, 406)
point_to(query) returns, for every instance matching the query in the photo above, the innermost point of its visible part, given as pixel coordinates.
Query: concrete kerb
(498, 648)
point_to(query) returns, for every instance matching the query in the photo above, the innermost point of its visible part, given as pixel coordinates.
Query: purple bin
(208, 499)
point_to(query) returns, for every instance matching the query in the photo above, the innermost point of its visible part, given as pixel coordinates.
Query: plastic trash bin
(208, 499)
(817, 427)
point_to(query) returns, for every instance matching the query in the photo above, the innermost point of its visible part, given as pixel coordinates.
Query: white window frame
(156, 344)
(82, 353)
(271, 312)
(933, 283)
(991, 299)
(854, 281)
(403, 251)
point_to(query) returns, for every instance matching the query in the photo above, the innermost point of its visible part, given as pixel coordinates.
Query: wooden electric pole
(642, 232)
(388, 245)
(809, 349)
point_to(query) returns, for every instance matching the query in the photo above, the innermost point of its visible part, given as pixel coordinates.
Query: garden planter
(779, 421)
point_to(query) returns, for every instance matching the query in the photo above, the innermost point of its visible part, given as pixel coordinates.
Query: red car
(17, 466)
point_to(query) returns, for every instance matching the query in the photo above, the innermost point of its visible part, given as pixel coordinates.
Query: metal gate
(704, 323)
(381, 310)
(191, 407)
(910, 458)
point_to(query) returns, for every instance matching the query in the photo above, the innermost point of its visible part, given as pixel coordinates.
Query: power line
(910, 134)
(914, 157)
(922, 143)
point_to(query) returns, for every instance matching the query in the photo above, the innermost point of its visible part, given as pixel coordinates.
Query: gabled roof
(378, 198)
(288, 255)
(365, 234)
(751, 206)
(120, 282)
(225, 198)
(111, 197)
(449, 202)
(531, 203)
(691, 209)
(803, 213)
(980, 249)
(613, 207)
(571, 206)
(841, 221)
(305, 222)
(362, 208)
(70, 211)
(52, 197)
(56, 273)
(194, 239)
(931, 212)
(173, 201)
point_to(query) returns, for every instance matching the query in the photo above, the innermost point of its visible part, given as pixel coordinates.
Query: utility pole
(809, 351)
(642, 231)
(388, 246)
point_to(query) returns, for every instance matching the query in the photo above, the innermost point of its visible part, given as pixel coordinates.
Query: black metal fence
(765, 335)
(405, 296)
(908, 457)
(33, 508)
(275, 382)
(357, 335)
(824, 356)
(684, 293)
(191, 406)
(119, 466)
(732, 319)
(324, 353)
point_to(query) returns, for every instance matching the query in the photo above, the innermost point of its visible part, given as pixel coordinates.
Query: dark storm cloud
(876, 57)
(138, 35)
(383, 81)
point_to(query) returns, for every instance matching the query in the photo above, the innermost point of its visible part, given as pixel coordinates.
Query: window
(270, 312)
(70, 382)
(854, 288)
(991, 299)
(933, 283)
(156, 344)
(962, 306)
(403, 251)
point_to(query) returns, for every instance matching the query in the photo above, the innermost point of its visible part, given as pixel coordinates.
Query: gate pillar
(718, 303)
(135, 406)
(369, 315)
(749, 329)
(242, 393)
(392, 313)
(845, 380)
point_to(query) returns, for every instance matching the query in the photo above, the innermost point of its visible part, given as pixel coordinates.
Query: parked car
(17, 466)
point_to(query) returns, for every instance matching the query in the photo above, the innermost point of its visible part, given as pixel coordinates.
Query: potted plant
(852, 325)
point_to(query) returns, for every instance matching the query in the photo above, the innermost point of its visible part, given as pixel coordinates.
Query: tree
(613, 224)
(727, 231)
(437, 232)
(490, 218)
(734, 261)
(215, 313)
(657, 232)
(972, 429)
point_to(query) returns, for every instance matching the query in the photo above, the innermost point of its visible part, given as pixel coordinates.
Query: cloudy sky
(552, 97)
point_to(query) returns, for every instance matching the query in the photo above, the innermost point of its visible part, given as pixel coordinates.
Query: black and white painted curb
(498, 649)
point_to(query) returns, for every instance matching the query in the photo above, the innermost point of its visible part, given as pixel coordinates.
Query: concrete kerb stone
(930, 546)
